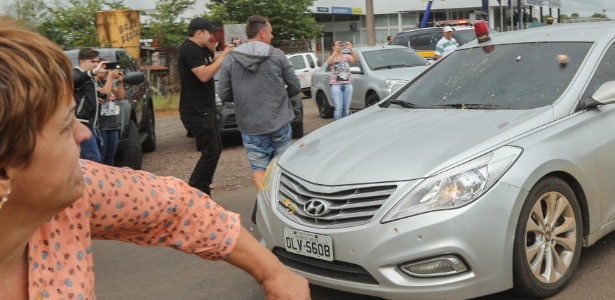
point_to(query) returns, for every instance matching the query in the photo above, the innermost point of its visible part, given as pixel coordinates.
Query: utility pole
(369, 22)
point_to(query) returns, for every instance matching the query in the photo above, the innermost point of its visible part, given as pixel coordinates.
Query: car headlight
(391, 82)
(456, 187)
(270, 181)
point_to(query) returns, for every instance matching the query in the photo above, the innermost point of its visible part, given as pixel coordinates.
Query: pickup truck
(138, 125)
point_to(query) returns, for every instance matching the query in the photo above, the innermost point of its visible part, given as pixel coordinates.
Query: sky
(585, 8)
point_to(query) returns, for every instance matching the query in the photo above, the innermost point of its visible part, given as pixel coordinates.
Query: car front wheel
(130, 154)
(371, 100)
(548, 239)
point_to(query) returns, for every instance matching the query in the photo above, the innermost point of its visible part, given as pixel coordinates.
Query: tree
(599, 16)
(164, 27)
(563, 18)
(33, 12)
(73, 25)
(574, 16)
(289, 18)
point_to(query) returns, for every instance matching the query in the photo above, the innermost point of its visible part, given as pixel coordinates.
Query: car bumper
(228, 123)
(481, 234)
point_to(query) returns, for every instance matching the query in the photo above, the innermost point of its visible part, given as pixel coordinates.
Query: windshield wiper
(468, 105)
(401, 103)
(391, 67)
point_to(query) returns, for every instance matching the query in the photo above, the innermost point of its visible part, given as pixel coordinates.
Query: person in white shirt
(446, 44)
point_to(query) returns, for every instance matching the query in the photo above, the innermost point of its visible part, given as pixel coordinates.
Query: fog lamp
(435, 267)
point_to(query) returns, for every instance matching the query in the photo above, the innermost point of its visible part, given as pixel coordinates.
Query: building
(346, 19)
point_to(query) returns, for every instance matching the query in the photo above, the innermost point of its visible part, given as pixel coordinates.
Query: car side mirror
(605, 94)
(134, 77)
(356, 70)
(312, 65)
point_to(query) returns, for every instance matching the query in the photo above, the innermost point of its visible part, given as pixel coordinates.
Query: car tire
(131, 156)
(548, 239)
(371, 100)
(149, 145)
(297, 130)
(325, 111)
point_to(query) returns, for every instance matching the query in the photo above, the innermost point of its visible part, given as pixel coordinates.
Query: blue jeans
(341, 94)
(262, 148)
(89, 148)
(108, 145)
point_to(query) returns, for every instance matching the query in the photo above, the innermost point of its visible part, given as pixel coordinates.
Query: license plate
(309, 244)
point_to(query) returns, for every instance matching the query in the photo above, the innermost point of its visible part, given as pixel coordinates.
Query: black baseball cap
(199, 23)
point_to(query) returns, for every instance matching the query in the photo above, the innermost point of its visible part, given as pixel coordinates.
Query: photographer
(341, 78)
(86, 97)
(110, 85)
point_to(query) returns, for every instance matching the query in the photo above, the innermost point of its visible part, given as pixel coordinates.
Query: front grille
(332, 269)
(330, 207)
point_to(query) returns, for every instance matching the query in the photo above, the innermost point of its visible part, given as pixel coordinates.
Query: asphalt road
(125, 271)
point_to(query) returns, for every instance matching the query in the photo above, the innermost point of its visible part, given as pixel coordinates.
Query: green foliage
(563, 18)
(169, 102)
(32, 12)
(574, 16)
(599, 16)
(69, 24)
(289, 18)
(165, 27)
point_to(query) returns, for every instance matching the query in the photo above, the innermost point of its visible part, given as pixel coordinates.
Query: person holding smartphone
(341, 78)
(110, 85)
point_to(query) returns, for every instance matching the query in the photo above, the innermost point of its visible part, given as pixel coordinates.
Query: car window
(126, 61)
(298, 62)
(515, 76)
(392, 58)
(311, 61)
(467, 35)
(605, 72)
(401, 40)
(426, 41)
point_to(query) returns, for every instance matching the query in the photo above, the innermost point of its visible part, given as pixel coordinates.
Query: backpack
(87, 108)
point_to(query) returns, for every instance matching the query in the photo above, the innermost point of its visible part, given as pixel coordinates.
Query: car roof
(577, 32)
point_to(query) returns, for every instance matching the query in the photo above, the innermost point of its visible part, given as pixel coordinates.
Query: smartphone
(112, 65)
(344, 44)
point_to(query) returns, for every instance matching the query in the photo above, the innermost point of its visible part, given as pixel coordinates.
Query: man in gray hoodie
(260, 80)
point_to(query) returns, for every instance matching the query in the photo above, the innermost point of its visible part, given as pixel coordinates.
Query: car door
(312, 64)
(135, 94)
(425, 43)
(359, 84)
(602, 122)
(301, 67)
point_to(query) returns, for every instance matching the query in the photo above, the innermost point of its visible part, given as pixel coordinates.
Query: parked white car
(304, 63)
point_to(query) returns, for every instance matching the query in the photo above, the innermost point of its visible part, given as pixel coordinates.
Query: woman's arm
(275, 279)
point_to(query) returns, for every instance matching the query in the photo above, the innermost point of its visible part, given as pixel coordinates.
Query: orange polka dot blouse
(126, 205)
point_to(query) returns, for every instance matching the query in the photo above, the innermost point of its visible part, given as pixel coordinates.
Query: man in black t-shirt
(197, 101)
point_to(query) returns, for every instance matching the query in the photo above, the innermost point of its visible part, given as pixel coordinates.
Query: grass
(166, 103)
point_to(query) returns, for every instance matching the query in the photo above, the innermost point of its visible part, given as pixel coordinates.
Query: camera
(102, 95)
(112, 65)
(344, 44)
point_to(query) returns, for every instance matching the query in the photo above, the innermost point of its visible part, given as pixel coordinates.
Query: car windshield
(392, 58)
(515, 76)
(467, 34)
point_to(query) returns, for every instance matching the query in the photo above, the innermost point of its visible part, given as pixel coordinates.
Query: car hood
(396, 144)
(401, 73)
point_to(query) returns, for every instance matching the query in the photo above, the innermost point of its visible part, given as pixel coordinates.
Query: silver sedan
(379, 69)
(489, 171)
